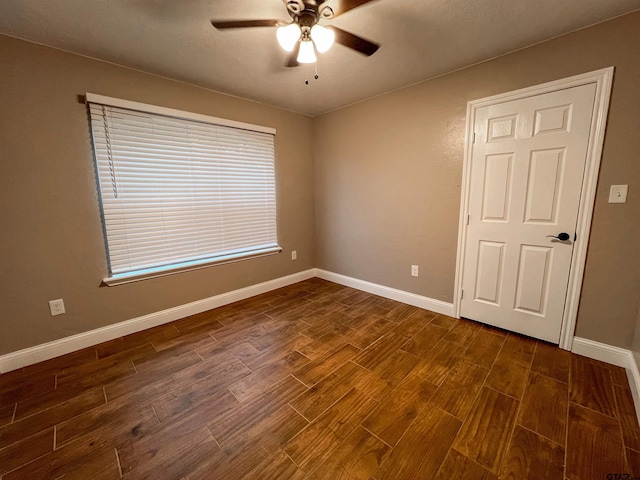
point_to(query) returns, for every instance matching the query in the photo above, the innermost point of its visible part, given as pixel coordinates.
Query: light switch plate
(618, 193)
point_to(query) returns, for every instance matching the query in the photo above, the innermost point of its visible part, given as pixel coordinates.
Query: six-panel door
(526, 175)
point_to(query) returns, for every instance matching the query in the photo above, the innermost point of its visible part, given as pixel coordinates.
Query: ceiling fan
(303, 36)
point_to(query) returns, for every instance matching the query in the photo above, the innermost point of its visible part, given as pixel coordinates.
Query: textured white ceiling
(420, 39)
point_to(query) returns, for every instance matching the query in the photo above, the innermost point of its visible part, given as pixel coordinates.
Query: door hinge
(468, 218)
(474, 137)
(461, 293)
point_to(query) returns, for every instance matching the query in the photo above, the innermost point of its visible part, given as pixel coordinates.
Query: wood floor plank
(594, 445)
(325, 393)
(119, 349)
(47, 399)
(388, 374)
(591, 386)
(233, 464)
(223, 352)
(368, 306)
(426, 443)
(316, 370)
(395, 414)
(439, 362)
(544, 407)
(463, 332)
(551, 361)
(276, 467)
(101, 467)
(415, 322)
(185, 342)
(270, 433)
(279, 349)
(255, 383)
(25, 451)
(458, 392)
(521, 344)
(278, 331)
(63, 461)
(115, 420)
(357, 458)
(223, 374)
(46, 419)
(444, 321)
(369, 330)
(317, 348)
(424, 341)
(150, 335)
(618, 375)
(628, 418)
(314, 444)
(401, 313)
(6, 414)
(128, 391)
(10, 395)
(458, 466)
(167, 454)
(147, 379)
(533, 457)
(205, 321)
(232, 424)
(196, 398)
(319, 330)
(633, 460)
(382, 349)
(355, 298)
(484, 437)
(509, 372)
(484, 349)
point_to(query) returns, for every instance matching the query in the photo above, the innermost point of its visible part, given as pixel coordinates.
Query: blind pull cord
(112, 170)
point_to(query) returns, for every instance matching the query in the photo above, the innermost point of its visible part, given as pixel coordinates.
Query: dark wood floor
(317, 381)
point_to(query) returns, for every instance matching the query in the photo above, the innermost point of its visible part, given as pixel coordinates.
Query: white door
(527, 167)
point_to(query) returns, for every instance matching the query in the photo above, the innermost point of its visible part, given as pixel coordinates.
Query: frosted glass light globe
(323, 37)
(288, 36)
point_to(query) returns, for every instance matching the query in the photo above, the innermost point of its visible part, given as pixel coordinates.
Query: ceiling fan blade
(355, 42)
(292, 61)
(246, 23)
(341, 6)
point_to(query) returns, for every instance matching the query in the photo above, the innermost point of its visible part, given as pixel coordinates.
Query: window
(180, 190)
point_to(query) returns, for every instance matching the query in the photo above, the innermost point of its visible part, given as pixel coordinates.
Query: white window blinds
(180, 192)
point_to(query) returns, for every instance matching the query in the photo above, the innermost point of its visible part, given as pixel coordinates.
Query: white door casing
(531, 172)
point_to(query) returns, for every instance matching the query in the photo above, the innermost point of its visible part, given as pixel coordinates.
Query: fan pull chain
(316, 76)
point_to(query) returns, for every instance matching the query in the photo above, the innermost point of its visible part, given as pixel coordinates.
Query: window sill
(130, 277)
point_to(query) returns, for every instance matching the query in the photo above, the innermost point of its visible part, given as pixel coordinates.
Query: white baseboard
(633, 374)
(427, 303)
(602, 351)
(46, 351)
(615, 356)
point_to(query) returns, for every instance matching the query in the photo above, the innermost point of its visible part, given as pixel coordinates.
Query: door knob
(563, 237)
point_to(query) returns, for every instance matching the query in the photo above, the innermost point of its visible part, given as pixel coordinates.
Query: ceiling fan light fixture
(307, 53)
(288, 36)
(323, 37)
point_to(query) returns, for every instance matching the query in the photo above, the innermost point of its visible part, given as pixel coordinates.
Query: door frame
(604, 80)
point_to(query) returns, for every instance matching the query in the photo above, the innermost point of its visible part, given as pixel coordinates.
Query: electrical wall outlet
(56, 307)
(294, 255)
(414, 270)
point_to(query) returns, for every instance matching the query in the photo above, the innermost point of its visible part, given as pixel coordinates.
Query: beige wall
(388, 175)
(51, 243)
